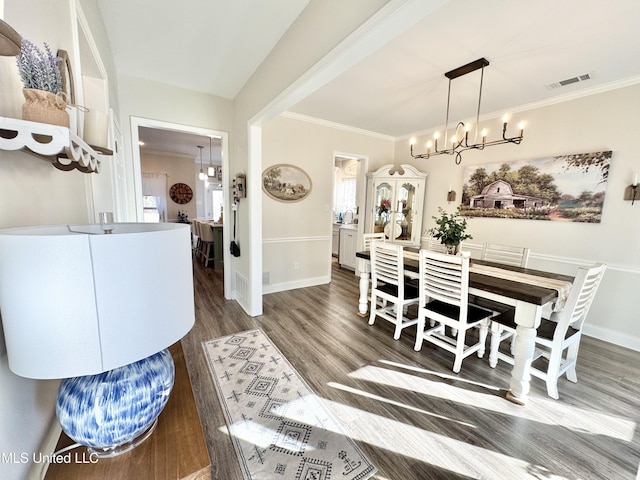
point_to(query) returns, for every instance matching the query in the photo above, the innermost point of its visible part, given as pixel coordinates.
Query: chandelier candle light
(460, 139)
(211, 170)
(201, 175)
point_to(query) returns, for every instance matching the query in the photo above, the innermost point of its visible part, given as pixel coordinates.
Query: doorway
(136, 124)
(349, 200)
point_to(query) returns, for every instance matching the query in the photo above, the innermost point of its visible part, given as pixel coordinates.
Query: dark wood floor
(412, 416)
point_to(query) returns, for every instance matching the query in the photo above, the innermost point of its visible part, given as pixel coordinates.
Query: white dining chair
(562, 332)
(198, 250)
(367, 238)
(505, 254)
(389, 284)
(434, 245)
(444, 299)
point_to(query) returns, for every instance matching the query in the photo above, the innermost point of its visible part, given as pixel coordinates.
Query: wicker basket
(44, 107)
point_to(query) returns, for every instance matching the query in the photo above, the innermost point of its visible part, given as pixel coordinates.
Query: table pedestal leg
(523, 354)
(364, 291)
(527, 318)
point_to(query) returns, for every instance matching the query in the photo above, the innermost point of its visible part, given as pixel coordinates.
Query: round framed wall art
(181, 193)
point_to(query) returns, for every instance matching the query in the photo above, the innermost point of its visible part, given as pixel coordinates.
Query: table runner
(561, 286)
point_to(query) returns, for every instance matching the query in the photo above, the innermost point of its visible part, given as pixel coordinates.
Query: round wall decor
(181, 193)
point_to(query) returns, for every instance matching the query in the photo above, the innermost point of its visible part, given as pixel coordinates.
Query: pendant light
(211, 170)
(201, 175)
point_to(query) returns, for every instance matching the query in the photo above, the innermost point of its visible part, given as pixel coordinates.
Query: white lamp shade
(75, 301)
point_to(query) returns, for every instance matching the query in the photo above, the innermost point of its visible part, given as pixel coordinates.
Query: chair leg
(572, 357)
(198, 248)
(555, 359)
(457, 363)
(482, 338)
(372, 309)
(494, 346)
(207, 255)
(399, 318)
(419, 332)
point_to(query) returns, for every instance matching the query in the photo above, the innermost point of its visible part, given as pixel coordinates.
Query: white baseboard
(611, 336)
(305, 282)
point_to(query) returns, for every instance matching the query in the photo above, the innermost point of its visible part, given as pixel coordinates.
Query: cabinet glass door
(404, 211)
(382, 206)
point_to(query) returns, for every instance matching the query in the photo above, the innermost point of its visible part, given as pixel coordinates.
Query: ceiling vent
(569, 81)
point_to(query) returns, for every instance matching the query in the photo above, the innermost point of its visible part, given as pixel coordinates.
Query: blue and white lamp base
(115, 411)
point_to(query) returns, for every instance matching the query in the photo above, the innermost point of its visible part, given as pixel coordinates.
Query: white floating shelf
(64, 149)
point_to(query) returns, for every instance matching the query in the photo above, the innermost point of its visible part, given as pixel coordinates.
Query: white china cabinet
(395, 201)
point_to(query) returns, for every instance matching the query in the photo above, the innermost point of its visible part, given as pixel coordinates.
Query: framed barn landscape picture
(565, 188)
(286, 183)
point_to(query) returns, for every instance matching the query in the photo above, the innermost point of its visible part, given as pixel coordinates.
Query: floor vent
(241, 286)
(570, 81)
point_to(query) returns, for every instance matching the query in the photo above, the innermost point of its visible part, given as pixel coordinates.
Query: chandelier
(460, 140)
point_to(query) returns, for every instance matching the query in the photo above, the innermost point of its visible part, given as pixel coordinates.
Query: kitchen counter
(349, 226)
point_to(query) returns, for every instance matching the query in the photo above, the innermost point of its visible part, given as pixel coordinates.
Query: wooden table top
(509, 288)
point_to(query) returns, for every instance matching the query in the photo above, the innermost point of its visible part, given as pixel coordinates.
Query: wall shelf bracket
(64, 149)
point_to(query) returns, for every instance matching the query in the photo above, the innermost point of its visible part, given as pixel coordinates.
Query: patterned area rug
(279, 427)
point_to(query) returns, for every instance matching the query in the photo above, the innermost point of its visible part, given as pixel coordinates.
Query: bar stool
(206, 241)
(198, 248)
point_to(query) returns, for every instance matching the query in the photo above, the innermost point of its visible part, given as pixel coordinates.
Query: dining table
(526, 290)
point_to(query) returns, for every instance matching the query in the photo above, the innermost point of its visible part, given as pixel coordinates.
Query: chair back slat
(435, 245)
(505, 254)
(583, 291)
(443, 277)
(386, 263)
(368, 238)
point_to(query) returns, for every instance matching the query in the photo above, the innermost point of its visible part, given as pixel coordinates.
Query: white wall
(300, 232)
(603, 121)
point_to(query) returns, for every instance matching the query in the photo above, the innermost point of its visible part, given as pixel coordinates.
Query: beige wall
(179, 169)
(299, 233)
(271, 90)
(33, 192)
(157, 101)
(598, 122)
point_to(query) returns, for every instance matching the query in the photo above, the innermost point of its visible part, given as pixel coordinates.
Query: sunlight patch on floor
(251, 432)
(549, 412)
(430, 448)
(357, 391)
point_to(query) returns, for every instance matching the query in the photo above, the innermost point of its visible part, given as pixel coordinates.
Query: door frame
(361, 196)
(137, 122)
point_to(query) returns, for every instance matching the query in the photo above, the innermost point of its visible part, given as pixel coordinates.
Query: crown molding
(337, 126)
(585, 92)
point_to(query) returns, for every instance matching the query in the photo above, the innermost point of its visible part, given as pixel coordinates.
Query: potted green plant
(450, 230)
(42, 81)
